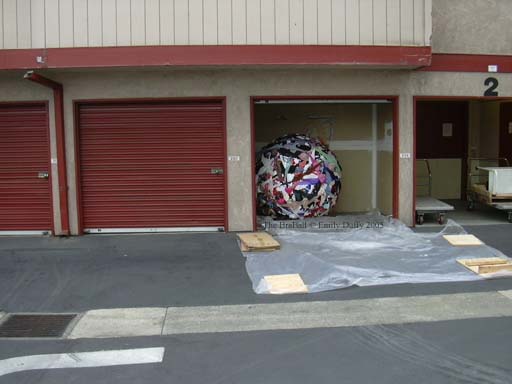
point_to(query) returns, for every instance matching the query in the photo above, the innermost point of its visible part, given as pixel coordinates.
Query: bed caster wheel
(441, 219)
(471, 205)
(419, 219)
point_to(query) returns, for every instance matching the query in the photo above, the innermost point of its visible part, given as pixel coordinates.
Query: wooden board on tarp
(463, 240)
(487, 265)
(283, 284)
(257, 241)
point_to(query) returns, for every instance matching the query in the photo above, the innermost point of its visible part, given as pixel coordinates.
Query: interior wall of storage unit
(483, 133)
(347, 128)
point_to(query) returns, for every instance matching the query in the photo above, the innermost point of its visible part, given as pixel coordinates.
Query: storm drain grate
(18, 325)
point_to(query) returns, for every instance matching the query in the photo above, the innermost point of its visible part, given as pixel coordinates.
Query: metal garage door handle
(217, 171)
(43, 175)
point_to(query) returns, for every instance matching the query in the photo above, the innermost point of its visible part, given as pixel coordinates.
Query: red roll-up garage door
(152, 165)
(25, 191)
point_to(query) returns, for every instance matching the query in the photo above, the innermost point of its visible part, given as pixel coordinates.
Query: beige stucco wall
(238, 86)
(472, 26)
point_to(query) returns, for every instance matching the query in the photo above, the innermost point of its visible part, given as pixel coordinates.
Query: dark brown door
(155, 164)
(506, 131)
(25, 194)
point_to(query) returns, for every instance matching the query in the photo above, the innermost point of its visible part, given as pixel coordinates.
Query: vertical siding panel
(123, 23)
(296, 22)
(210, 22)
(138, 22)
(419, 22)
(167, 22)
(324, 22)
(108, 16)
(239, 22)
(310, 22)
(379, 23)
(181, 22)
(253, 22)
(393, 22)
(152, 22)
(66, 23)
(352, 22)
(338, 22)
(282, 22)
(366, 20)
(268, 26)
(225, 22)
(9, 24)
(24, 24)
(80, 34)
(196, 22)
(428, 22)
(2, 22)
(52, 23)
(407, 22)
(94, 22)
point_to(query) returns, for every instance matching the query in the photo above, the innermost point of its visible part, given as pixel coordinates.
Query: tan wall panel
(80, 25)
(490, 129)
(123, 23)
(282, 22)
(268, 26)
(379, 23)
(366, 22)
(446, 178)
(93, 23)
(393, 21)
(407, 22)
(167, 22)
(325, 22)
(239, 22)
(338, 22)
(198, 22)
(181, 23)
(195, 12)
(253, 22)
(353, 21)
(138, 22)
(10, 28)
(225, 22)
(210, 22)
(24, 24)
(109, 24)
(385, 158)
(297, 22)
(310, 22)
(66, 24)
(356, 188)
(152, 22)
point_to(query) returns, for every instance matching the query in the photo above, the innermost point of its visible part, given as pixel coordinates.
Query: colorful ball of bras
(296, 177)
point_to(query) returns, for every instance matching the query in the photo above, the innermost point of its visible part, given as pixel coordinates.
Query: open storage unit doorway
(361, 131)
(458, 143)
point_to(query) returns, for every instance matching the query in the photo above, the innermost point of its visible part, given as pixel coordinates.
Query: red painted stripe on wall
(442, 62)
(411, 57)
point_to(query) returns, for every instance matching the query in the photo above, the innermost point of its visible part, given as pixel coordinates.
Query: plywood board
(487, 265)
(463, 240)
(282, 284)
(259, 241)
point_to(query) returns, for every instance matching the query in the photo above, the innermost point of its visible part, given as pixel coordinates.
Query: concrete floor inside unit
(481, 215)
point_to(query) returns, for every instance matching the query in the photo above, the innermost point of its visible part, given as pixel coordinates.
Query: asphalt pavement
(332, 337)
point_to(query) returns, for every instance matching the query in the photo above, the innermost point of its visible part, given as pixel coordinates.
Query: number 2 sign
(492, 83)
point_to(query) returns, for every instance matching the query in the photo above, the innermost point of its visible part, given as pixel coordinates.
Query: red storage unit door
(156, 164)
(25, 190)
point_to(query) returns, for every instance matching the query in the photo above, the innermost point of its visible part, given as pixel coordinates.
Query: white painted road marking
(82, 360)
